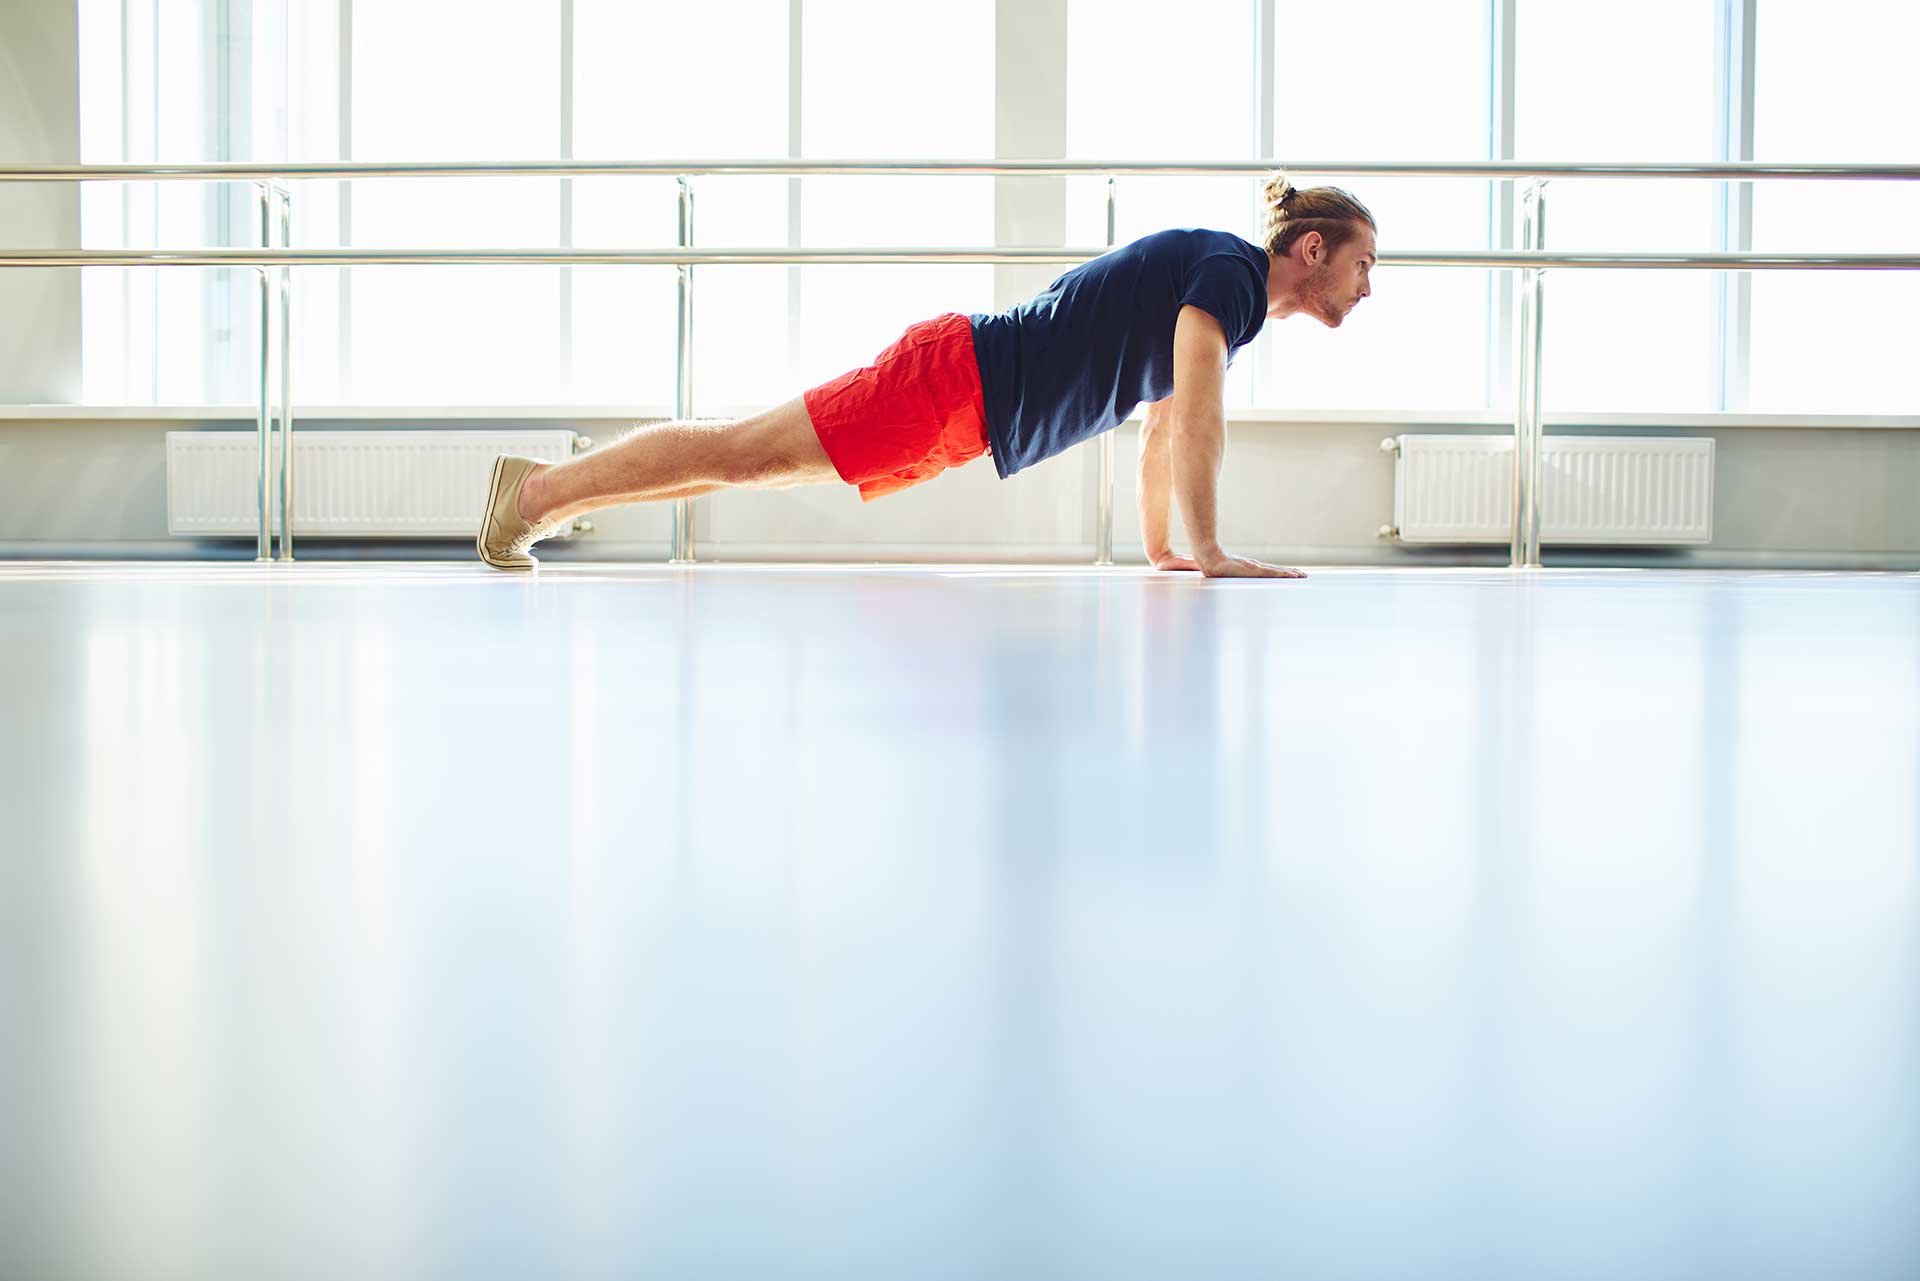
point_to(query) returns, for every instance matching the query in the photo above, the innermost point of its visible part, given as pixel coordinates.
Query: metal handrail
(1005, 255)
(1532, 260)
(240, 170)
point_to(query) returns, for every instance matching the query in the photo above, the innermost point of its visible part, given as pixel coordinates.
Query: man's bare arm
(1154, 491)
(1199, 443)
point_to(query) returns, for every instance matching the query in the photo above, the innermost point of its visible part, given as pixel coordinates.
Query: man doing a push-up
(1155, 321)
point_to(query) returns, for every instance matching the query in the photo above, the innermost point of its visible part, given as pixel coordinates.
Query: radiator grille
(1594, 490)
(400, 484)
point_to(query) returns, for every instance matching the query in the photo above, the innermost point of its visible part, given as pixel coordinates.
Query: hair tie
(1286, 193)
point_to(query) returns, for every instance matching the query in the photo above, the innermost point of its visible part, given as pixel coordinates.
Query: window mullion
(1733, 140)
(229, 136)
(566, 197)
(1500, 134)
(345, 275)
(795, 65)
(1264, 391)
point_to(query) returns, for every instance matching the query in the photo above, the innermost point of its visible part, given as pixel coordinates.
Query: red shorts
(910, 415)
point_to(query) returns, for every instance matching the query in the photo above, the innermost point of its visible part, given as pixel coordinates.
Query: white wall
(1301, 492)
(39, 124)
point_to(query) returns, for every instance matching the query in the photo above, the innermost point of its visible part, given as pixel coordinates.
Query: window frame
(231, 79)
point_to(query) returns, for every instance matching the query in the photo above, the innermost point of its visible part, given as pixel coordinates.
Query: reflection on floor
(906, 922)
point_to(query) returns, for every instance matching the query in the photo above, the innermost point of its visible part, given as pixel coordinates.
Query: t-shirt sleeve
(1228, 289)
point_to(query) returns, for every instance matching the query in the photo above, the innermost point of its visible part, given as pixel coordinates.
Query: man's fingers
(1241, 567)
(1257, 569)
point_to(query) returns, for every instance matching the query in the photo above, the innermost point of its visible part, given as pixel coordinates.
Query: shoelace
(531, 535)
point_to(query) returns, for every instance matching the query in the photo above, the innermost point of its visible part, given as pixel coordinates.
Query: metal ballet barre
(275, 263)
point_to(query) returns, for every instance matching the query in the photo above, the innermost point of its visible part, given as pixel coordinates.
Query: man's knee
(746, 454)
(777, 449)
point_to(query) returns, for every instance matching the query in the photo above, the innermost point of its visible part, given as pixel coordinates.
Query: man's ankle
(532, 491)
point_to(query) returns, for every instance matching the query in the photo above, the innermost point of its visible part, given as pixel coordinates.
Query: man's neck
(1283, 287)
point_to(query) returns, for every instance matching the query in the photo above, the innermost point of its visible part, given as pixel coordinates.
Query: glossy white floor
(423, 921)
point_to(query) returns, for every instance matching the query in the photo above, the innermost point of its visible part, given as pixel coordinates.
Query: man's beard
(1323, 302)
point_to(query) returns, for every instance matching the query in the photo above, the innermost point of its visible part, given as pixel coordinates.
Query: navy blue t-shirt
(1075, 361)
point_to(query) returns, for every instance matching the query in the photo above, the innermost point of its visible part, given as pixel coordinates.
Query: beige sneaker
(504, 537)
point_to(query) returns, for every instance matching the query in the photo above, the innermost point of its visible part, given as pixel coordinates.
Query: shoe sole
(486, 525)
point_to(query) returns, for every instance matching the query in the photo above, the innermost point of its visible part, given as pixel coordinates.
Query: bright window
(722, 93)
(169, 335)
(1389, 80)
(455, 335)
(1831, 85)
(171, 83)
(1123, 106)
(1590, 88)
(874, 87)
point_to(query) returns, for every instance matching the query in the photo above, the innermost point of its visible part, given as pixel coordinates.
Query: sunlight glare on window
(1835, 341)
(1414, 88)
(455, 335)
(1625, 339)
(871, 90)
(723, 93)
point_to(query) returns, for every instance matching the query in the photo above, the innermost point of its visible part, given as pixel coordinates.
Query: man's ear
(1312, 246)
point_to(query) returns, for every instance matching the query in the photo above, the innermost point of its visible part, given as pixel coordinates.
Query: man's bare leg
(668, 461)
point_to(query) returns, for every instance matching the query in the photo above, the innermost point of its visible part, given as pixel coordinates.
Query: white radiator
(390, 484)
(1593, 489)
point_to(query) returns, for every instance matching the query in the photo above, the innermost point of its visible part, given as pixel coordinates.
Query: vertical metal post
(796, 137)
(1517, 551)
(565, 280)
(1103, 533)
(1536, 416)
(286, 378)
(1529, 428)
(264, 550)
(683, 382)
(343, 279)
(1523, 386)
(1501, 285)
(1265, 123)
(1733, 215)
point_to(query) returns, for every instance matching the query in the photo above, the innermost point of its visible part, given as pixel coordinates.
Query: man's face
(1339, 280)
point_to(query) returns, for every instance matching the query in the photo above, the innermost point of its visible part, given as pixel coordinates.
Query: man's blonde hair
(1293, 211)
